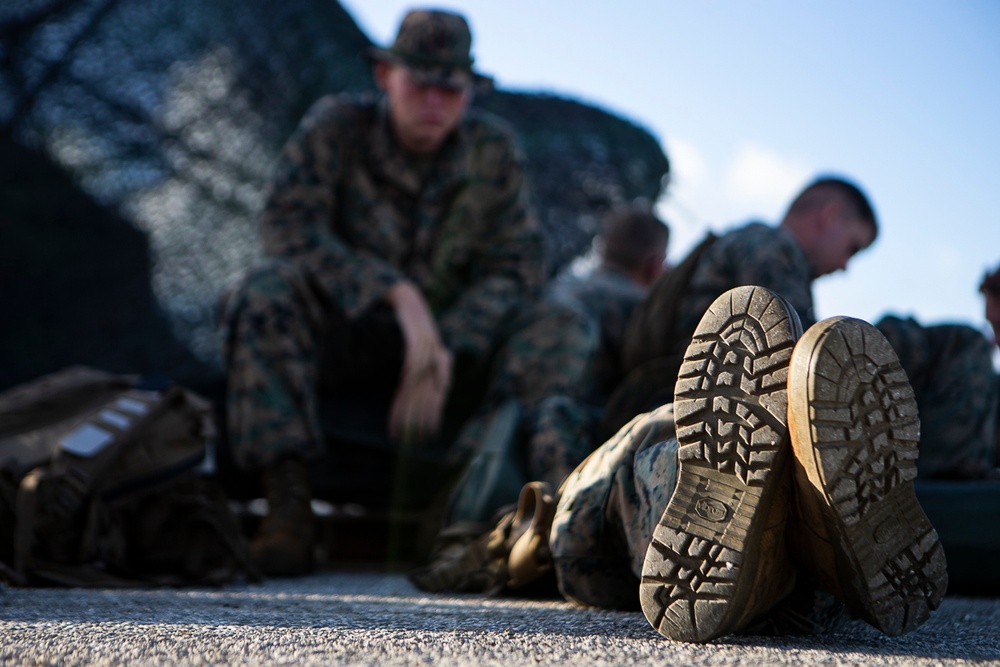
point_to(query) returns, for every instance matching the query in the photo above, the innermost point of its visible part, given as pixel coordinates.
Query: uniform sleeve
(776, 262)
(507, 268)
(298, 218)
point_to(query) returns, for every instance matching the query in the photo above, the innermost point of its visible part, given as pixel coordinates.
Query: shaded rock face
(136, 139)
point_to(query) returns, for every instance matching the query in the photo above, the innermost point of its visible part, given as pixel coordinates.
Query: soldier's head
(990, 287)
(634, 241)
(832, 220)
(427, 77)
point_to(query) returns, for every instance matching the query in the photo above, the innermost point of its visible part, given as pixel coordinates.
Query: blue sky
(752, 99)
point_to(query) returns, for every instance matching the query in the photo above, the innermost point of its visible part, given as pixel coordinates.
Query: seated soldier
(956, 389)
(950, 370)
(826, 224)
(557, 369)
(399, 241)
(631, 254)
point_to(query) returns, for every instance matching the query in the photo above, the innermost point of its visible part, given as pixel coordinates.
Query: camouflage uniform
(949, 366)
(754, 254)
(556, 369)
(608, 509)
(562, 427)
(609, 505)
(349, 214)
(952, 375)
(604, 522)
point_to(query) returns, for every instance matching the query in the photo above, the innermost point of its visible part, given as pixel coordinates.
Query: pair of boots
(796, 453)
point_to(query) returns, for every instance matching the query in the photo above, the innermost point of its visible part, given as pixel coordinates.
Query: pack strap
(26, 509)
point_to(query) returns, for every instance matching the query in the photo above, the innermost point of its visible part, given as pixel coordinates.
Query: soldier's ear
(652, 268)
(380, 71)
(829, 215)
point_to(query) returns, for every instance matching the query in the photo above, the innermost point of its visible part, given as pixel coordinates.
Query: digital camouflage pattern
(271, 347)
(560, 364)
(951, 371)
(434, 45)
(949, 366)
(609, 297)
(563, 426)
(608, 509)
(359, 214)
(754, 254)
(349, 214)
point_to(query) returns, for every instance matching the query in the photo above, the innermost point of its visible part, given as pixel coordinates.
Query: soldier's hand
(419, 403)
(426, 376)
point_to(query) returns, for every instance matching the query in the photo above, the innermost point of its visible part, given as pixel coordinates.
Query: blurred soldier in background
(556, 371)
(829, 222)
(826, 224)
(399, 241)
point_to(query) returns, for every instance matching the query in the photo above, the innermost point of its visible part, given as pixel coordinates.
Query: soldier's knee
(267, 292)
(276, 278)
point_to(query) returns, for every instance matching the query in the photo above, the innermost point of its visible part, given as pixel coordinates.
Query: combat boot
(283, 545)
(718, 558)
(856, 523)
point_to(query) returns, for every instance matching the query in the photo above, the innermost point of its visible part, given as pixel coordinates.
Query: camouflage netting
(135, 141)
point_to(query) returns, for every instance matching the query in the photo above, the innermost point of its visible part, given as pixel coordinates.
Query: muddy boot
(856, 522)
(718, 557)
(284, 543)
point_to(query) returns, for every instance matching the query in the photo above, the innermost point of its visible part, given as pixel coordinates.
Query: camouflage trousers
(544, 366)
(286, 346)
(282, 343)
(269, 328)
(608, 508)
(950, 368)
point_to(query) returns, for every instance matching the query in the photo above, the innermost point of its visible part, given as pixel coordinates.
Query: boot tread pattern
(730, 410)
(865, 430)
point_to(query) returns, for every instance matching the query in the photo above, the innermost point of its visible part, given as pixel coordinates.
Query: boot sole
(855, 432)
(731, 410)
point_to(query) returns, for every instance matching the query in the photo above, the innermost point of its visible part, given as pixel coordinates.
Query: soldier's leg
(546, 355)
(561, 437)
(271, 326)
(607, 509)
(611, 504)
(950, 369)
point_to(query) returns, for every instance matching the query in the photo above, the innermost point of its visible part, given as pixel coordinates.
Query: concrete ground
(366, 618)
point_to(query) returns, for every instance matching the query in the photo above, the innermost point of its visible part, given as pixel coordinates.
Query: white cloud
(761, 182)
(688, 166)
(754, 182)
(683, 206)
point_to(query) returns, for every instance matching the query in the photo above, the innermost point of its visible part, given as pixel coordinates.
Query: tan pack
(102, 484)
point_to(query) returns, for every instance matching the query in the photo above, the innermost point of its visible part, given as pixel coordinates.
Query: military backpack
(103, 483)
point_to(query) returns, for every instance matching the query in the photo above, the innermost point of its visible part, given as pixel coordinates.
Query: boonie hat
(436, 47)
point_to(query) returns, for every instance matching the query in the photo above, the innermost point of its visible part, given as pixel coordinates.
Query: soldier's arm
(508, 268)
(297, 220)
(779, 265)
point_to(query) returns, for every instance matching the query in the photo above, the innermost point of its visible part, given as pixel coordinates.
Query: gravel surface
(380, 619)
